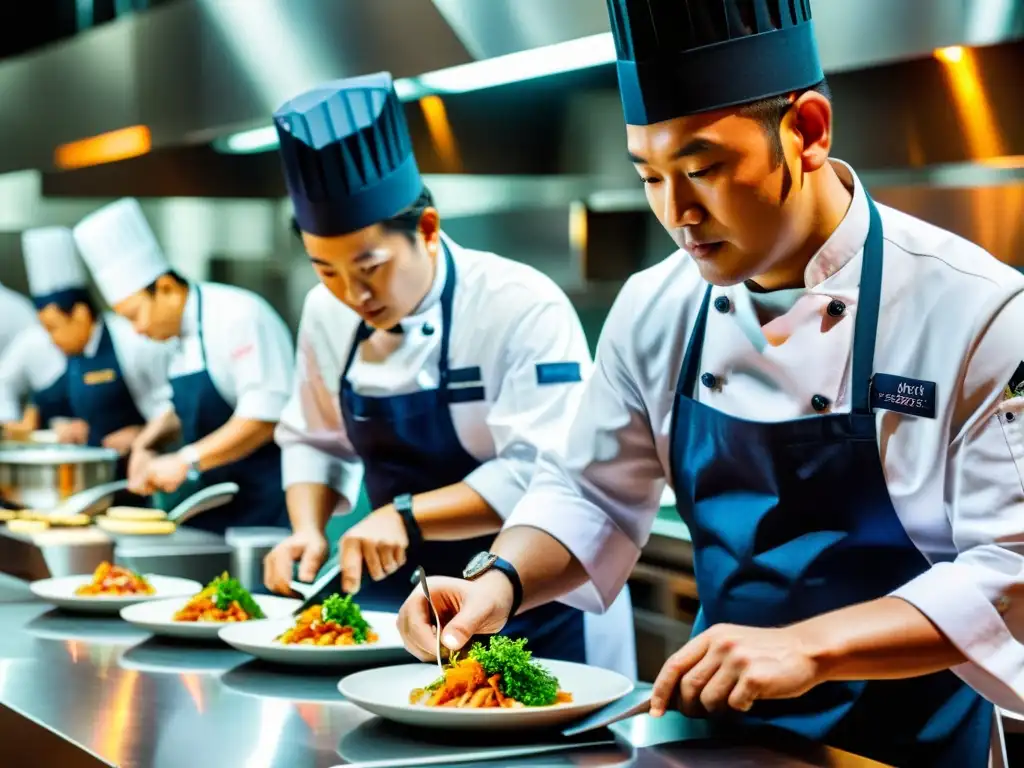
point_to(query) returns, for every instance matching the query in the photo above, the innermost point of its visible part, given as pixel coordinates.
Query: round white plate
(158, 616)
(257, 638)
(61, 592)
(385, 692)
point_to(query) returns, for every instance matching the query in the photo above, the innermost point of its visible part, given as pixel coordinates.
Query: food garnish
(223, 599)
(503, 674)
(337, 622)
(109, 579)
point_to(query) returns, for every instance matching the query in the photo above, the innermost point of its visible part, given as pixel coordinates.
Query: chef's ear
(811, 118)
(430, 226)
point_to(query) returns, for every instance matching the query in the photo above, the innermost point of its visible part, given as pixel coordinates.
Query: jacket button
(836, 308)
(819, 403)
(722, 304)
(709, 380)
(428, 329)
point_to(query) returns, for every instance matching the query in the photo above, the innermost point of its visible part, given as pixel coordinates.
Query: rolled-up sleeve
(311, 433)
(261, 360)
(977, 599)
(599, 495)
(545, 363)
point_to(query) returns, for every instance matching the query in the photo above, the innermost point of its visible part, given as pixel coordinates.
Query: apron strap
(199, 325)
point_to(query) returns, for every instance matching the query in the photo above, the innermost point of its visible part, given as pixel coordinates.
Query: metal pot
(40, 476)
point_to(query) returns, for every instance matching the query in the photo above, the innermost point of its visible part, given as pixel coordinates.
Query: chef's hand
(380, 540)
(138, 471)
(308, 547)
(727, 666)
(167, 473)
(74, 431)
(465, 608)
(121, 440)
(16, 430)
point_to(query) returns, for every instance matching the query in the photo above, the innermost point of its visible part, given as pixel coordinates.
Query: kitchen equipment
(53, 553)
(248, 548)
(90, 501)
(316, 592)
(209, 498)
(41, 476)
(637, 702)
(419, 575)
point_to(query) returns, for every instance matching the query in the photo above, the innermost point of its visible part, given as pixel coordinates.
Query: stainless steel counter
(78, 691)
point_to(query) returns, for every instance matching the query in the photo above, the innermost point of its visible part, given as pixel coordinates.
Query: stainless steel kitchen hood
(197, 69)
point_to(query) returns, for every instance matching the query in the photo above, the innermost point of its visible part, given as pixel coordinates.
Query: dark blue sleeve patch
(898, 393)
(464, 375)
(558, 373)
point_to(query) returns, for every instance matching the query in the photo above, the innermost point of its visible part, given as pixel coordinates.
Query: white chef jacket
(950, 314)
(143, 363)
(507, 318)
(249, 353)
(16, 314)
(30, 363)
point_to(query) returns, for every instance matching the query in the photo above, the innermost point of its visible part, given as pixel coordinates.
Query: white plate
(61, 592)
(385, 692)
(257, 638)
(158, 616)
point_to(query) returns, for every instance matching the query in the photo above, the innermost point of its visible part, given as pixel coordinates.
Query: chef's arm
(235, 440)
(454, 512)
(28, 423)
(547, 570)
(310, 506)
(157, 430)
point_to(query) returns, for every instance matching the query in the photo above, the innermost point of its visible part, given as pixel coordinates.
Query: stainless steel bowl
(40, 476)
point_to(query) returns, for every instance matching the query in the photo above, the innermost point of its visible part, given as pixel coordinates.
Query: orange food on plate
(315, 627)
(223, 600)
(109, 579)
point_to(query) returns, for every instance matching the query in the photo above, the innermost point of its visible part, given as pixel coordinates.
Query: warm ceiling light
(104, 148)
(952, 54)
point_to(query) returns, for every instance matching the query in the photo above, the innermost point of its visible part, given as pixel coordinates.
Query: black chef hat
(347, 155)
(682, 57)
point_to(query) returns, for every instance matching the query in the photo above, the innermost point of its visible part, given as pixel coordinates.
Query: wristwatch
(403, 506)
(486, 561)
(190, 456)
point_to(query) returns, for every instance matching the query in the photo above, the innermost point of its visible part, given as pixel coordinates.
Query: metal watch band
(403, 505)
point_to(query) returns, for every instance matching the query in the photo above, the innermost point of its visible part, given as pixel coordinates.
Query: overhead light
(952, 54)
(124, 143)
(572, 55)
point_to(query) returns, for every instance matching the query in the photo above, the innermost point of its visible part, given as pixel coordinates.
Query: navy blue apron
(99, 396)
(790, 520)
(202, 410)
(53, 401)
(408, 444)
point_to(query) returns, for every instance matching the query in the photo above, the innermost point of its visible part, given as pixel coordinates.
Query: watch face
(478, 565)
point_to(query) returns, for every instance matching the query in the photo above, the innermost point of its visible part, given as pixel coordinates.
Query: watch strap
(403, 506)
(503, 565)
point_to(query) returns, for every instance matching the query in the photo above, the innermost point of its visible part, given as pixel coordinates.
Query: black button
(1010, 417)
(722, 304)
(819, 402)
(836, 308)
(428, 329)
(709, 380)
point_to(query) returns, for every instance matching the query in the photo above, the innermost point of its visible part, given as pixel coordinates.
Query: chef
(438, 370)
(33, 369)
(230, 370)
(834, 390)
(116, 380)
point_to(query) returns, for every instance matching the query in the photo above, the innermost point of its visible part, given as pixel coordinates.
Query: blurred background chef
(33, 369)
(442, 370)
(116, 379)
(230, 372)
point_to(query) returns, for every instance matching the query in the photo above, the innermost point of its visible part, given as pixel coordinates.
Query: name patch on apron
(558, 373)
(104, 376)
(902, 395)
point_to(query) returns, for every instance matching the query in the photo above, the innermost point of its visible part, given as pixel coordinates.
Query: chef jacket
(248, 349)
(516, 330)
(950, 314)
(30, 363)
(16, 314)
(143, 363)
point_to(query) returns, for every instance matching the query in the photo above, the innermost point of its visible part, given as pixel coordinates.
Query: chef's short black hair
(404, 222)
(769, 113)
(151, 288)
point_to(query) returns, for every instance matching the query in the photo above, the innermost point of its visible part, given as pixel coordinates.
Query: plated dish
(492, 688)
(222, 602)
(109, 589)
(337, 633)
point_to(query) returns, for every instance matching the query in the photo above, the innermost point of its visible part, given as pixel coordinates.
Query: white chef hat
(120, 249)
(52, 262)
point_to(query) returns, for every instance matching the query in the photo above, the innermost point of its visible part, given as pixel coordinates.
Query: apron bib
(408, 444)
(790, 520)
(202, 410)
(53, 401)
